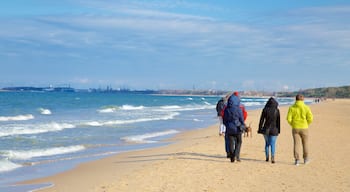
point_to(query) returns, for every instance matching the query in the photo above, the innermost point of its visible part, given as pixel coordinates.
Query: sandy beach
(196, 161)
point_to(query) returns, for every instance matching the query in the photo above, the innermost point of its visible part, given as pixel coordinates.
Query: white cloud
(117, 34)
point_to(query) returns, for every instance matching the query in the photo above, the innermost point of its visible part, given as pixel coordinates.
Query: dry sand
(197, 162)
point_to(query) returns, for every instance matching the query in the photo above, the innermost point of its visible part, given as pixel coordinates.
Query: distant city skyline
(176, 44)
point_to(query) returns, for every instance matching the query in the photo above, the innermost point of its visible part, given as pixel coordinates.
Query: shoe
(238, 159)
(267, 159)
(272, 159)
(232, 159)
(228, 155)
(306, 161)
(297, 163)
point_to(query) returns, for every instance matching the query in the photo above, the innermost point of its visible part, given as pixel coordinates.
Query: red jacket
(245, 114)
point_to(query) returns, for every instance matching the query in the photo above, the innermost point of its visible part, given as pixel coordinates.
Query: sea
(44, 133)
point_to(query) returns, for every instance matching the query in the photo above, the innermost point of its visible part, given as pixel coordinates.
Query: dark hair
(299, 97)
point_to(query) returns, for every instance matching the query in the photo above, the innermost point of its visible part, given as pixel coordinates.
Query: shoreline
(196, 161)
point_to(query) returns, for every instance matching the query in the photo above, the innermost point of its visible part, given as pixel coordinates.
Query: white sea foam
(6, 165)
(207, 103)
(170, 107)
(17, 118)
(130, 121)
(123, 107)
(45, 111)
(29, 129)
(144, 138)
(131, 107)
(165, 117)
(94, 124)
(185, 107)
(107, 110)
(253, 104)
(29, 154)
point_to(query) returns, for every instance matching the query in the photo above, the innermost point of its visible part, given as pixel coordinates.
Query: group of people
(232, 116)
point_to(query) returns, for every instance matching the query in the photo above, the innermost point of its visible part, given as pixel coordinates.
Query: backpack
(220, 106)
(233, 125)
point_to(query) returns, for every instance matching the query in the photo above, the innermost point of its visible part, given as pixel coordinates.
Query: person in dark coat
(233, 119)
(269, 126)
(220, 108)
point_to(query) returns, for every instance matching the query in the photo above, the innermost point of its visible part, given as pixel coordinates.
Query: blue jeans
(270, 141)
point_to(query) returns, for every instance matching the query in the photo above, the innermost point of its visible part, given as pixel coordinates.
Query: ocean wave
(30, 129)
(44, 111)
(112, 109)
(171, 107)
(94, 124)
(6, 165)
(17, 118)
(29, 154)
(131, 107)
(253, 104)
(130, 121)
(144, 138)
(108, 110)
(184, 108)
(207, 103)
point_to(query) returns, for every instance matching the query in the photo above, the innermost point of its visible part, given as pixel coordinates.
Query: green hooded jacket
(299, 115)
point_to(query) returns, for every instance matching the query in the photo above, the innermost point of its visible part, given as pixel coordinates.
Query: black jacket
(220, 106)
(270, 119)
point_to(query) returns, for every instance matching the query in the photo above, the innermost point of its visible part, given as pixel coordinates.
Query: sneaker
(306, 161)
(297, 163)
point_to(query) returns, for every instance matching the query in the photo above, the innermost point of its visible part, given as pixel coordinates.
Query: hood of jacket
(271, 103)
(233, 101)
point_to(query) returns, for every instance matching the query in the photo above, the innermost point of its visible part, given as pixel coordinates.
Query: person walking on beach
(220, 107)
(233, 119)
(300, 117)
(269, 126)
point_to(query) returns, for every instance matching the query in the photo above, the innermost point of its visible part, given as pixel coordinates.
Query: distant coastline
(110, 90)
(326, 92)
(170, 92)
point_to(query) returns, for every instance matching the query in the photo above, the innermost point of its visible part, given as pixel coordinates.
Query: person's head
(233, 101)
(299, 97)
(236, 93)
(271, 103)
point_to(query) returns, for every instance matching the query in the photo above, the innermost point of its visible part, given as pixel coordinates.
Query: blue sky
(175, 44)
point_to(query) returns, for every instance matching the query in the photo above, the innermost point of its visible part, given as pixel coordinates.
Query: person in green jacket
(300, 117)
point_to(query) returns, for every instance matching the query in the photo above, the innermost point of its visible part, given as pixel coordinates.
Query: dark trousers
(235, 142)
(227, 144)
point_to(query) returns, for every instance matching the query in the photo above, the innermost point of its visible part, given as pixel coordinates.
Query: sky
(268, 45)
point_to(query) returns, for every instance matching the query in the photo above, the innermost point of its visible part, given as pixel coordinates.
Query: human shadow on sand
(190, 156)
